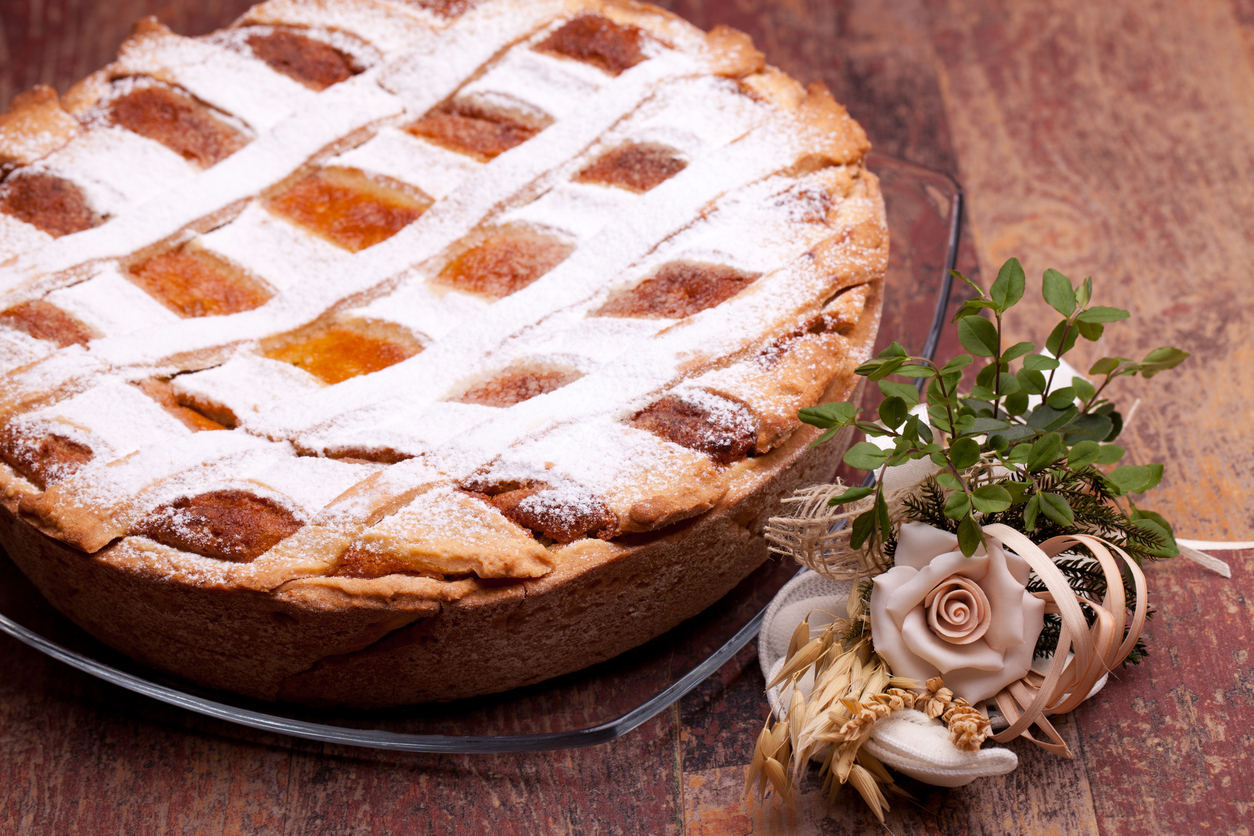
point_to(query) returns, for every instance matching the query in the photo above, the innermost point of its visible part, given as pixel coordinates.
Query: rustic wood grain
(1112, 139)
(79, 756)
(625, 787)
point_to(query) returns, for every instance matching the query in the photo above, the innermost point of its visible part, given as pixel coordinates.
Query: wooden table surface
(1111, 139)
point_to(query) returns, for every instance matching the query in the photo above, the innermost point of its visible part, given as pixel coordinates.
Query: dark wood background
(1112, 139)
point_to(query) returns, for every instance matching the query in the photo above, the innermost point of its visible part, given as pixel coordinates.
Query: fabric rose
(969, 620)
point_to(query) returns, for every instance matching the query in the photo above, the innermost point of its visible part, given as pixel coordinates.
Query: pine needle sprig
(928, 506)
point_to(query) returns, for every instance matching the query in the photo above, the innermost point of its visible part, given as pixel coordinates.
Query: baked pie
(374, 352)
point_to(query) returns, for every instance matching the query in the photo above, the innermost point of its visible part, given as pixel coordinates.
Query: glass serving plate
(602, 702)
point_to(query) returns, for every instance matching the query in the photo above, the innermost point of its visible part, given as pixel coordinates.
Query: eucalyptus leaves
(1014, 447)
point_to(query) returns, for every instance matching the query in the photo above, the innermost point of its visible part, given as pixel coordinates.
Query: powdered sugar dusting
(341, 110)
(660, 213)
(429, 71)
(696, 113)
(586, 343)
(541, 83)
(116, 495)
(388, 29)
(272, 249)
(111, 305)
(728, 419)
(396, 154)
(65, 371)
(361, 502)
(17, 237)
(427, 314)
(233, 83)
(112, 418)
(753, 230)
(304, 484)
(404, 432)
(18, 348)
(246, 384)
(592, 461)
(117, 168)
(576, 209)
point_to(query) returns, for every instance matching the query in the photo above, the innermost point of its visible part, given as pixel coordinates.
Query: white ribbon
(1192, 550)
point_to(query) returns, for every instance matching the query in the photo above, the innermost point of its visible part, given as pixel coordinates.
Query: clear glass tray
(603, 702)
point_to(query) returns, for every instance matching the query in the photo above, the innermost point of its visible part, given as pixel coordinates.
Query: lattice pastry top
(362, 296)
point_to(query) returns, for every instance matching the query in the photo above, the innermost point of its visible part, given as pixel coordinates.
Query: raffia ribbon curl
(1095, 650)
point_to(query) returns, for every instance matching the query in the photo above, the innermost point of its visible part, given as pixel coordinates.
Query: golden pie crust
(374, 353)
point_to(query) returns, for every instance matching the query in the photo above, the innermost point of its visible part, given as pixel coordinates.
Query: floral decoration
(969, 620)
(992, 573)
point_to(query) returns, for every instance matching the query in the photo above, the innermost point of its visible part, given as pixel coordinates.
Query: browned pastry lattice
(372, 318)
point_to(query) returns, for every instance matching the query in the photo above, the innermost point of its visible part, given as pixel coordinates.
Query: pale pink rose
(969, 620)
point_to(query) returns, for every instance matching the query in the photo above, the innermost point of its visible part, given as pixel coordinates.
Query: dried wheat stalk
(852, 690)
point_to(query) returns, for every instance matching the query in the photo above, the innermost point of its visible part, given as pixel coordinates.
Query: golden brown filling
(691, 426)
(473, 131)
(361, 563)
(45, 321)
(504, 263)
(636, 167)
(312, 63)
(678, 290)
(56, 206)
(348, 208)
(338, 352)
(226, 525)
(516, 385)
(178, 122)
(194, 283)
(163, 393)
(599, 41)
(210, 413)
(44, 459)
(544, 512)
(378, 455)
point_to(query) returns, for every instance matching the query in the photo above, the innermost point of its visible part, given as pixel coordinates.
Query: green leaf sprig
(1047, 449)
